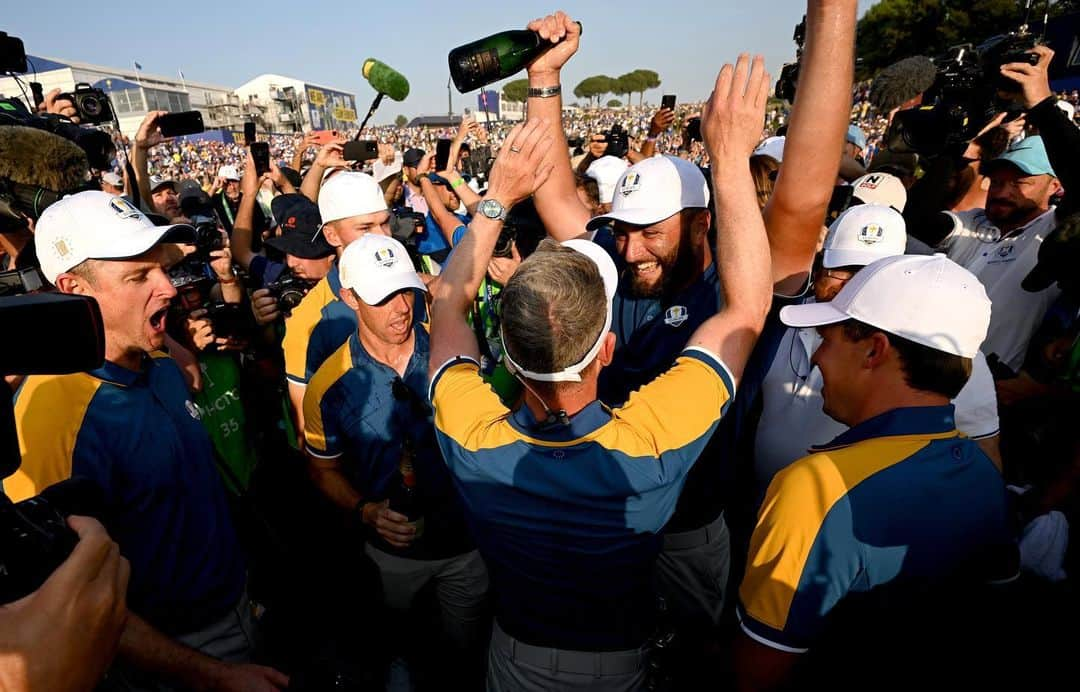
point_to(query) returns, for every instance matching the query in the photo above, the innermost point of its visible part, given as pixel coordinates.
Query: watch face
(491, 209)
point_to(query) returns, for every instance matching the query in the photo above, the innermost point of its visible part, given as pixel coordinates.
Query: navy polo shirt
(138, 436)
(352, 413)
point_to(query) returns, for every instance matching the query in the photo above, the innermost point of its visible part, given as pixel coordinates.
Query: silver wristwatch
(492, 209)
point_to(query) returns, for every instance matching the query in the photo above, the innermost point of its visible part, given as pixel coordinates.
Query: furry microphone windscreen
(902, 81)
(35, 157)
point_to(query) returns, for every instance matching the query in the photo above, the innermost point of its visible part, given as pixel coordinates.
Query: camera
(92, 104)
(289, 290)
(964, 96)
(230, 320)
(789, 73)
(522, 228)
(618, 141)
(404, 226)
(18, 281)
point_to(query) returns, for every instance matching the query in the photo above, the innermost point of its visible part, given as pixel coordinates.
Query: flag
(138, 66)
(181, 74)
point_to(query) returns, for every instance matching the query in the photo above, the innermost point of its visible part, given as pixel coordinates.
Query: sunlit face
(657, 256)
(389, 322)
(344, 231)
(134, 296)
(1015, 198)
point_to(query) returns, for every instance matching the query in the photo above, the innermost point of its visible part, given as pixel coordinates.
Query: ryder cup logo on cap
(97, 225)
(371, 266)
(929, 300)
(655, 189)
(863, 234)
(349, 194)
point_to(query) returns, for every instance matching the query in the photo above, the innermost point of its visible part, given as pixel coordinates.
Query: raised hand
(522, 165)
(731, 119)
(559, 29)
(1033, 79)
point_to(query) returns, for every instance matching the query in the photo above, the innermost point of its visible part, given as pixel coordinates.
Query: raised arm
(557, 203)
(731, 126)
(329, 156)
(815, 142)
(148, 136)
(518, 171)
(240, 241)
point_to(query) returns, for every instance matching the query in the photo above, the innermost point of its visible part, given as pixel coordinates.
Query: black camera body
(1004, 49)
(289, 290)
(618, 141)
(788, 80)
(230, 320)
(92, 104)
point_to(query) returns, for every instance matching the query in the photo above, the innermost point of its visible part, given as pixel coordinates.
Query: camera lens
(91, 106)
(290, 299)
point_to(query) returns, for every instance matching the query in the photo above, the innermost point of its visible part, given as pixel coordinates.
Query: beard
(1008, 214)
(675, 267)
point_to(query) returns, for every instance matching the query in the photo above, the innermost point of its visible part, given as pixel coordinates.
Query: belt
(685, 540)
(595, 663)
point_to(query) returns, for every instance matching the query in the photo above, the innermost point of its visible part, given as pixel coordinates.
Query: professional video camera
(289, 290)
(67, 337)
(789, 73)
(967, 92)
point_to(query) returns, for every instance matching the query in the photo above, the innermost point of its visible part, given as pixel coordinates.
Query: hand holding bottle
(560, 30)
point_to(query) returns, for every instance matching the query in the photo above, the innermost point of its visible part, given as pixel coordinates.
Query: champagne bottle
(405, 500)
(496, 57)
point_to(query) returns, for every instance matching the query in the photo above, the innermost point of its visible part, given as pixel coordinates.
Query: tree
(647, 79)
(594, 87)
(401, 121)
(614, 103)
(629, 83)
(895, 29)
(516, 91)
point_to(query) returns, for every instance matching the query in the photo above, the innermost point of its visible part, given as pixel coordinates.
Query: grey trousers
(514, 666)
(231, 638)
(692, 574)
(461, 584)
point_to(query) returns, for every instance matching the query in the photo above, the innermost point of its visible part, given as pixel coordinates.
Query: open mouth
(157, 320)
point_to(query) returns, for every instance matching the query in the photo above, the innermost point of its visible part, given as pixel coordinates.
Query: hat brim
(811, 315)
(832, 259)
(297, 246)
(373, 295)
(991, 166)
(135, 244)
(164, 183)
(635, 217)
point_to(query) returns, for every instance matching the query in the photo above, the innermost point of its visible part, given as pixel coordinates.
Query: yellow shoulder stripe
(49, 412)
(332, 370)
(300, 325)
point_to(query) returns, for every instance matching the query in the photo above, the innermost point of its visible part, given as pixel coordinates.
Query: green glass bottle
(496, 57)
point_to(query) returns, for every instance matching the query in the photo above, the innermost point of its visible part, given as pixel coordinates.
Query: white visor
(610, 276)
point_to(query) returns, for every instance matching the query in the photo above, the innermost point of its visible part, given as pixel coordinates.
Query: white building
(491, 105)
(285, 104)
(133, 92)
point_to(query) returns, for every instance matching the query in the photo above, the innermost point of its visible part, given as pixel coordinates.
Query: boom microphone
(385, 79)
(902, 81)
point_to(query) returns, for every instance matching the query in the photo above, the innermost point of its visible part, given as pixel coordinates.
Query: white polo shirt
(1001, 264)
(792, 419)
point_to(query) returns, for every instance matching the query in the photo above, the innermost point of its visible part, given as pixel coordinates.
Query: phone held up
(249, 134)
(668, 102)
(260, 154)
(360, 150)
(182, 123)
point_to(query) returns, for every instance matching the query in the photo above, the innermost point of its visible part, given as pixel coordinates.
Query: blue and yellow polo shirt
(316, 328)
(137, 435)
(354, 412)
(568, 517)
(897, 500)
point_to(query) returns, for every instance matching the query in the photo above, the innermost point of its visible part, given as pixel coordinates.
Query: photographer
(131, 428)
(65, 634)
(999, 244)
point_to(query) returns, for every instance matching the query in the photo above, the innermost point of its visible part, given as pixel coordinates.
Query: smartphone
(668, 101)
(442, 154)
(260, 154)
(183, 123)
(693, 129)
(362, 150)
(325, 136)
(249, 134)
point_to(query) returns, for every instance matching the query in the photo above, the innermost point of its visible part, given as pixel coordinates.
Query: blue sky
(228, 43)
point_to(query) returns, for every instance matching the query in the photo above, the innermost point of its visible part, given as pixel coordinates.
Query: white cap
(606, 171)
(97, 225)
(863, 234)
(375, 266)
(1070, 110)
(881, 188)
(228, 173)
(610, 276)
(347, 194)
(929, 300)
(771, 146)
(655, 189)
(112, 178)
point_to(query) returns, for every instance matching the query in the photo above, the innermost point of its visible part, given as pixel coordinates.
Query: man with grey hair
(566, 497)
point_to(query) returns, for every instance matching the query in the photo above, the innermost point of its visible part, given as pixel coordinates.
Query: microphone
(385, 79)
(902, 81)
